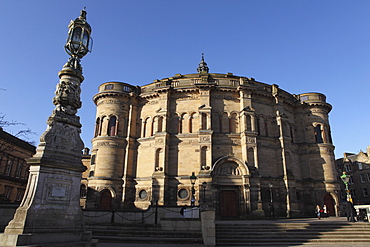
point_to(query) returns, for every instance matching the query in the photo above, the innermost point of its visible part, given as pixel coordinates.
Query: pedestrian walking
(325, 211)
(318, 211)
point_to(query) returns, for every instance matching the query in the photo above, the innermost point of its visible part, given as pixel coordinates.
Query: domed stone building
(221, 140)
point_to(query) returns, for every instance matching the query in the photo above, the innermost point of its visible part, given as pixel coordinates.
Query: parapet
(312, 98)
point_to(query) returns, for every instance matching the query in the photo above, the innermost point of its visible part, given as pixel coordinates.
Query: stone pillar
(208, 227)
(50, 211)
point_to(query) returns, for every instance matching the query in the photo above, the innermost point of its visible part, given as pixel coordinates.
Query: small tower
(116, 108)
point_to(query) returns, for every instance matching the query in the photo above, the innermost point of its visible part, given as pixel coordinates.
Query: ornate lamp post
(204, 186)
(50, 211)
(345, 178)
(193, 178)
(270, 186)
(272, 208)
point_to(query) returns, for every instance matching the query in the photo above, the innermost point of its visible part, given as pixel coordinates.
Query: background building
(247, 142)
(13, 167)
(357, 166)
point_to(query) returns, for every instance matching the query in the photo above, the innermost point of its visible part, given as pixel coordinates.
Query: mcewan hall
(224, 141)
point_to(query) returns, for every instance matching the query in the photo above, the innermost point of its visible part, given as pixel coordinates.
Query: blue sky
(303, 46)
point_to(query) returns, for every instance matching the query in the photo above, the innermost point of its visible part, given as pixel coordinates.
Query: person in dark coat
(350, 212)
(272, 212)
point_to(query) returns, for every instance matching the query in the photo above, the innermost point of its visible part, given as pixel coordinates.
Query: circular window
(183, 194)
(143, 194)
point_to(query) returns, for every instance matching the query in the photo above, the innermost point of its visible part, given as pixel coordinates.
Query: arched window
(204, 121)
(146, 128)
(249, 123)
(234, 123)
(193, 123)
(318, 134)
(155, 125)
(225, 123)
(83, 191)
(185, 123)
(262, 126)
(181, 124)
(112, 126)
(216, 122)
(158, 159)
(203, 158)
(160, 124)
(103, 126)
(175, 124)
(250, 157)
(97, 127)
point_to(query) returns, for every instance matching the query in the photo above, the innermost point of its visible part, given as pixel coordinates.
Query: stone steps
(290, 234)
(143, 234)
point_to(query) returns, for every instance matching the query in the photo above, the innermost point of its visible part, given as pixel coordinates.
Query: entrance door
(105, 200)
(329, 202)
(228, 203)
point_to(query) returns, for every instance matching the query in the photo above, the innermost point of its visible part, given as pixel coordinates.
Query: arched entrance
(105, 200)
(330, 204)
(232, 195)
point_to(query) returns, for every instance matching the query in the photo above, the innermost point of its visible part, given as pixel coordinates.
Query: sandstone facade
(245, 141)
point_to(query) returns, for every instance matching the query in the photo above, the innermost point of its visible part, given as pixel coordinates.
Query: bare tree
(23, 134)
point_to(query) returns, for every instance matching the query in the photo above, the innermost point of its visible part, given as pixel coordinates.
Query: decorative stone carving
(63, 136)
(205, 139)
(229, 170)
(67, 97)
(251, 140)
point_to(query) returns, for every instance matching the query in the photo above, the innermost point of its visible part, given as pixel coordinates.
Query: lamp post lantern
(79, 42)
(193, 178)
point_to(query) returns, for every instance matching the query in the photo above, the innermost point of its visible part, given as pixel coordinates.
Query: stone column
(50, 211)
(208, 227)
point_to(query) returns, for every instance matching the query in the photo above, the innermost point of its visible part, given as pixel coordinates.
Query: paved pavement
(332, 220)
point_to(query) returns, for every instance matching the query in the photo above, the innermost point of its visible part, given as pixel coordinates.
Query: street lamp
(270, 186)
(79, 42)
(193, 178)
(272, 208)
(345, 178)
(204, 186)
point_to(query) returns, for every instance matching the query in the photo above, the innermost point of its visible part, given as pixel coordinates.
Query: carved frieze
(251, 140)
(227, 97)
(63, 136)
(110, 144)
(206, 139)
(228, 170)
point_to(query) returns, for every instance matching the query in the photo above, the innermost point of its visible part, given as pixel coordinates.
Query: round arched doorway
(105, 200)
(330, 204)
(232, 194)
